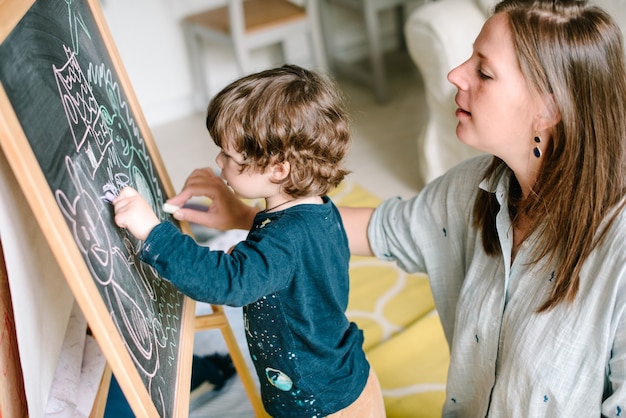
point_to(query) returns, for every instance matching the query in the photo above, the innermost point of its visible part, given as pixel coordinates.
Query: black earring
(536, 150)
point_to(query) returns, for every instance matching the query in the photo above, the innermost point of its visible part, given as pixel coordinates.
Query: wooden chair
(370, 10)
(247, 25)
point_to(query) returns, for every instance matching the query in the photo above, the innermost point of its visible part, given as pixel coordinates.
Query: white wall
(149, 37)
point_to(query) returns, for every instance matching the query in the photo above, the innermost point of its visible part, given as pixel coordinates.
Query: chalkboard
(73, 133)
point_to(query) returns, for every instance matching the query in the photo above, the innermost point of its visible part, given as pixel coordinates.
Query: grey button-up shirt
(506, 359)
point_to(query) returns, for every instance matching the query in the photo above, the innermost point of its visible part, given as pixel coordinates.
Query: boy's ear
(280, 171)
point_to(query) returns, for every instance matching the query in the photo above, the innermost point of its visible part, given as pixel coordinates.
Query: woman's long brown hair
(572, 51)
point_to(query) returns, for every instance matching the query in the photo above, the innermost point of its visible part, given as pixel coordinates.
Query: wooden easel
(16, 145)
(215, 320)
(218, 320)
(12, 395)
(13, 398)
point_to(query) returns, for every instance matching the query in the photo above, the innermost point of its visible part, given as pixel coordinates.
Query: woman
(524, 248)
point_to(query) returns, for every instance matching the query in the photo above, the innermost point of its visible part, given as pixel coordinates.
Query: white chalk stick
(170, 208)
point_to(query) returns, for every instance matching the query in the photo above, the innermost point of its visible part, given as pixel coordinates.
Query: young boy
(283, 135)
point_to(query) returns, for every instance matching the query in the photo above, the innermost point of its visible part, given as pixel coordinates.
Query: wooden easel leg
(12, 395)
(100, 403)
(218, 319)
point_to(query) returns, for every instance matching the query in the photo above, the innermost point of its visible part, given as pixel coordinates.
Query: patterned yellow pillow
(383, 298)
(412, 368)
(404, 340)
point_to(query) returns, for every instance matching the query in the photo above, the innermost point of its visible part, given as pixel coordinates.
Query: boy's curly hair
(285, 114)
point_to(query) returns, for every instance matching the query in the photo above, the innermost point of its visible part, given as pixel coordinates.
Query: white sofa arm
(439, 36)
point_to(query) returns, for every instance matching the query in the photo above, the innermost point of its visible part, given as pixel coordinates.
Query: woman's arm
(227, 211)
(356, 221)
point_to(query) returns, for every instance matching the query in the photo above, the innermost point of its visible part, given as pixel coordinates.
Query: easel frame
(12, 398)
(217, 319)
(36, 190)
(53, 225)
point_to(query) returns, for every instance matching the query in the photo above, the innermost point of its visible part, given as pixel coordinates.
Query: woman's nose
(455, 76)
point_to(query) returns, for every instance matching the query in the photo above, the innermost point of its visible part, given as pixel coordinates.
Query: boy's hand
(134, 213)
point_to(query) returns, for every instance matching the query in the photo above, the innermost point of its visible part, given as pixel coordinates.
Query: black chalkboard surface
(73, 133)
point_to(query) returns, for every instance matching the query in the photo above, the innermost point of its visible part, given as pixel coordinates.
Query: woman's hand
(227, 211)
(134, 213)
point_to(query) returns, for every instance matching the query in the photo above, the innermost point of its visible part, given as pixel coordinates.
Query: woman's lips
(461, 113)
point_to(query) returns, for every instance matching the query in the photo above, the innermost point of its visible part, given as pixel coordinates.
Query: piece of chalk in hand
(169, 208)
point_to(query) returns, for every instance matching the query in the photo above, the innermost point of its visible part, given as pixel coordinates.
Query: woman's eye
(482, 75)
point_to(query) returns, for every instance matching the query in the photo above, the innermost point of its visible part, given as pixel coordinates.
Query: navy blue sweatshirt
(291, 277)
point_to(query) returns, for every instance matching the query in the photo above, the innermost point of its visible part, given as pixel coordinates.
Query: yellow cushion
(384, 299)
(350, 194)
(404, 340)
(412, 368)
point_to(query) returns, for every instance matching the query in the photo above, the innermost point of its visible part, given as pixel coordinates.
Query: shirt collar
(498, 183)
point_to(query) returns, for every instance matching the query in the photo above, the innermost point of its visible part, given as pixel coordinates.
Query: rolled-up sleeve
(393, 234)
(433, 227)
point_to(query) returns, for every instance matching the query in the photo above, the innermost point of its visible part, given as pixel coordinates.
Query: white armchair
(439, 36)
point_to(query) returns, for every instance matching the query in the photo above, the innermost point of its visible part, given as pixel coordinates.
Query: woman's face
(496, 109)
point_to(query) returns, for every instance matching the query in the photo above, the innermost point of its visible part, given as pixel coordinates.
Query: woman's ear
(279, 171)
(549, 115)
